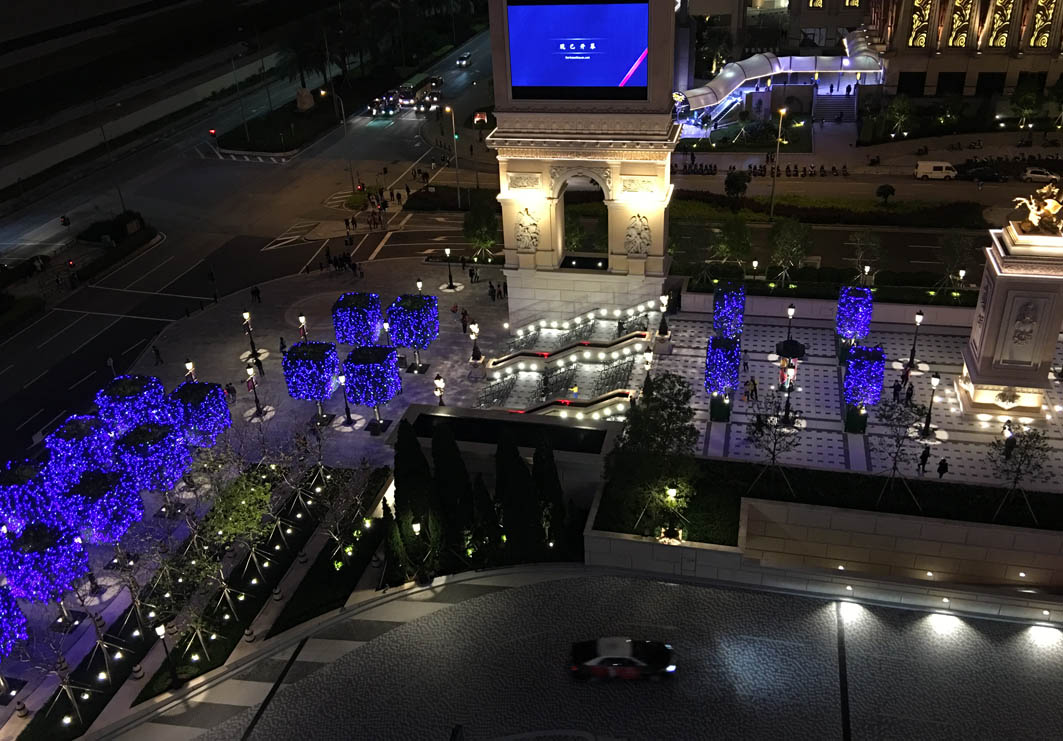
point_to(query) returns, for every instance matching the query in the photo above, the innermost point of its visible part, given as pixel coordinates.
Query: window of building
(813, 36)
(815, 3)
(911, 84)
(951, 83)
(989, 83)
(852, 3)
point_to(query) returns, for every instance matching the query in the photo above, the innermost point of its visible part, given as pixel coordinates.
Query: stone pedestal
(1008, 359)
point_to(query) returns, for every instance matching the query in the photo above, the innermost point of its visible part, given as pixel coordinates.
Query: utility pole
(110, 157)
(328, 70)
(262, 69)
(240, 94)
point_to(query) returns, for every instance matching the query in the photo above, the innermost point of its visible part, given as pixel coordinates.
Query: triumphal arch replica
(1007, 362)
(583, 93)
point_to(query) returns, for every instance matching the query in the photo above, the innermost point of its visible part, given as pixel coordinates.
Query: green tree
(521, 517)
(898, 112)
(413, 477)
(661, 423)
(1020, 457)
(486, 540)
(735, 184)
(790, 240)
(958, 252)
(551, 495)
(575, 236)
(733, 241)
(239, 513)
(451, 501)
(867, 249)
(1027, 101)
(712, 47)
(302, 51)
(885, 192)
(480, 226)
(899, 443)
(396, 563)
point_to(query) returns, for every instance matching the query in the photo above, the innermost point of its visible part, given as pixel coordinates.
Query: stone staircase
(827, 107)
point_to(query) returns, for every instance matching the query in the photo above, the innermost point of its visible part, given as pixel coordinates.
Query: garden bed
(116, 254)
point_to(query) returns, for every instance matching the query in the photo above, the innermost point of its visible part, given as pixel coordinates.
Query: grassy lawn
(797, 139)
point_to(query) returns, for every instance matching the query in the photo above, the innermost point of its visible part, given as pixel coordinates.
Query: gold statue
(1043, 210)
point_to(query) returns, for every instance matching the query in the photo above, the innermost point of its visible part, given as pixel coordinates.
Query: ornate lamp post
(420, 284)
(934, 381)
(756, 264)
(160, 631)
(474, 333)
(250, 333)
(915, 337)
(791, 373)
(662, 329)
(450, 275)
(346, 406)
(304, 333)
(648, 357)
(190, 370)
(440, 384)
(252, 385)
(775, 164)
(790, 311)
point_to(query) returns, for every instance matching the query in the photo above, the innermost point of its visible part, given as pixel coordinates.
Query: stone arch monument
(566, 110)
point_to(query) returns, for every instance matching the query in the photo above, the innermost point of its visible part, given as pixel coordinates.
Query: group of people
(750, 391)
(924, 458)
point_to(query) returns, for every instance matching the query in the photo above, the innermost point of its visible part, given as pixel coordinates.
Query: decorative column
(1008, 358)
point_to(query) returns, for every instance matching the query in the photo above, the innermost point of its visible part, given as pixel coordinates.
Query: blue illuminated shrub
(854, 313)
(128, 401)
(81, 444)
(153, 456)
(865, 369)
(102, 505)
(721, 365)
(413, 321)
(310, 370)
(357, 319)
(204, 412)
(728, 310)
(22, 496)
(12, 623)
(43, 561)
(372, 376)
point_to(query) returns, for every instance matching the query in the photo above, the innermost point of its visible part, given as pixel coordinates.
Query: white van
(934, 171)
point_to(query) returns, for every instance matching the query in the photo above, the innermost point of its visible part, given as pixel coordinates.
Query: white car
(1039, 175)
(463, 60)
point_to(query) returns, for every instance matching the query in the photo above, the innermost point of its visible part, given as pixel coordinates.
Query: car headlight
(670, 668)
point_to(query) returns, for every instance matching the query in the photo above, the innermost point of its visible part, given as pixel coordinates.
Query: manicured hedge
(116, 254)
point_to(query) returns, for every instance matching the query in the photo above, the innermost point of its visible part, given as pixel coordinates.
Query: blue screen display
(597, 46)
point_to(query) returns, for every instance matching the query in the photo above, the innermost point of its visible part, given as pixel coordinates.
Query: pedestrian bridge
(859, 58)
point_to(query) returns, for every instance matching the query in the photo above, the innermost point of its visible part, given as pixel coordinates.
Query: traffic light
(65, 221)
(213, 132)
(70, 263)
(455, 136)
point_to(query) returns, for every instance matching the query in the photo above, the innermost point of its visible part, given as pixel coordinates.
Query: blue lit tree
(865, 369)
(43, 561)
(128, 401)
(204, 412)
(81, 444)
(413, 321)
(102, 505)
(22, 495)
(728, 309)
(12, 623)
(853, 321)
(310, 371)
(722, 361)
(357, 319)
(153, 455)
(372, 379)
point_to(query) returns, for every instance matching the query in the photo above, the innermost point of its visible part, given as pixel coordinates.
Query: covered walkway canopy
(859, 57)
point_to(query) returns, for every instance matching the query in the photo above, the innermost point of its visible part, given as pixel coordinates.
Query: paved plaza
(490, 654)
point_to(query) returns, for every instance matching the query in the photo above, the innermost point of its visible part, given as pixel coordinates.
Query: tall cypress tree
(413, 477)
(396, 565)
(521, 515)
(486, 537)
(548, 488)
(452, 490)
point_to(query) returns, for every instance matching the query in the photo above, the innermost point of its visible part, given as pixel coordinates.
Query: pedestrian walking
(908, 394)
(832, 88)
(392, 194)
(848, 90)
(746, 394)
(407, 190)
(491, 291)
(110, 364)
(906, 373)
(472, 275)
(157, 354)
(230, 393)
(754, 389)
(476, 272)
(505, 288)
(463, 263)
(354, 221)
(896, 391)
(258, 364)
(923, 458)
(943, 468)
(284, 346)
(745, 361)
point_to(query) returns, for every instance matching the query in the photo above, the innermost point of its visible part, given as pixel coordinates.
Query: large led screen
(579, 49)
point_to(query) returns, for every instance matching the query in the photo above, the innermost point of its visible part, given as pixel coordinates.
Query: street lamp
(457, 168)
(775, 164)
(160, 631)
(648, 357)
(386, 333)
(474, 332)
(450, 276)
(440, 384)
(304, 333)
(250, 333)
(252, 384)
(346, 407)
(190, 370)
(662, 328)
(915, 337)
(963, 274)
(867, 275)
(756, 264)
(791, 372)
(790, 311)
(934, 381)
(419, 284)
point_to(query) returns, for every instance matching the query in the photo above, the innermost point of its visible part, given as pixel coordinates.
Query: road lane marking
(126, 263)
(400, 177)
(78, 383)
(5, 370)
(46, 424)
(71, 324)
(314, 256)
(145, 275)
(135, 345)
(28, 420)
(34, 380)
(120, 316)
(156, 293)
(91, 339)
(25, 329)
(407, 218)
(360, 243)
(380, 246)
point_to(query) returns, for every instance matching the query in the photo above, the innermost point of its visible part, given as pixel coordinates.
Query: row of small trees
(445, 520)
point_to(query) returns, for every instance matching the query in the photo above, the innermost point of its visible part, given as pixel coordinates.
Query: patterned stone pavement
(751, 665)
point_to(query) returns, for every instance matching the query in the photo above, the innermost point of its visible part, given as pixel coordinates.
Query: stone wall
(563, 294)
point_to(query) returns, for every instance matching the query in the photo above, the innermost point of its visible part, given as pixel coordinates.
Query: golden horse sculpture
(1043, 211)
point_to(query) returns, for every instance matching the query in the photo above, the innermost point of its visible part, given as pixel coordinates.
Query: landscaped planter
(153, 455)
(204, 412)
(128, 401)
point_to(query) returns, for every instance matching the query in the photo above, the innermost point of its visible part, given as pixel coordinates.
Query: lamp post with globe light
(175, 681)
(439, 384)
(474, 333)
(662, 328)
(304, 333)
(790, 311)
(190, 370)
(420, 284)
(934, 381)
(457, 167)
(450, 275)
(250, 333)
(252, 384)
(346, 406)
(915, 338)
(775, 164)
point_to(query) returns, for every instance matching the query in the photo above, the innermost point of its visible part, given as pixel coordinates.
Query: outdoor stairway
(827, 107)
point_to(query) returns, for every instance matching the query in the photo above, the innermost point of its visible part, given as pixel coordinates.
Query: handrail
(536, 361)
(605, 406)
(591, 315)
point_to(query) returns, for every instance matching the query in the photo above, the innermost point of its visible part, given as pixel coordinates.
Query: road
(241, 221)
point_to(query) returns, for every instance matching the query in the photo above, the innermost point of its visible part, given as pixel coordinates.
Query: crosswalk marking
(294, 234)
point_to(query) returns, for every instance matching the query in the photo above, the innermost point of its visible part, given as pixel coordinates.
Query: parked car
(926, 170)
(984, 174)
(463, 60)
(621, 658)
(1038, 175)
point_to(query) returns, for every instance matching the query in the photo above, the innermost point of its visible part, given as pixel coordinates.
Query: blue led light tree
(22, 496)
(43, 562)
(413, 321)
(722, 361)
(101, 505)
(12, 630)
(310, 371)
(357, 319)
(853, 320)
(153, 456)
(865, 369)
(204, 412)
(372, 379)
(728, 309)
(81, 444)
(128, 401)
